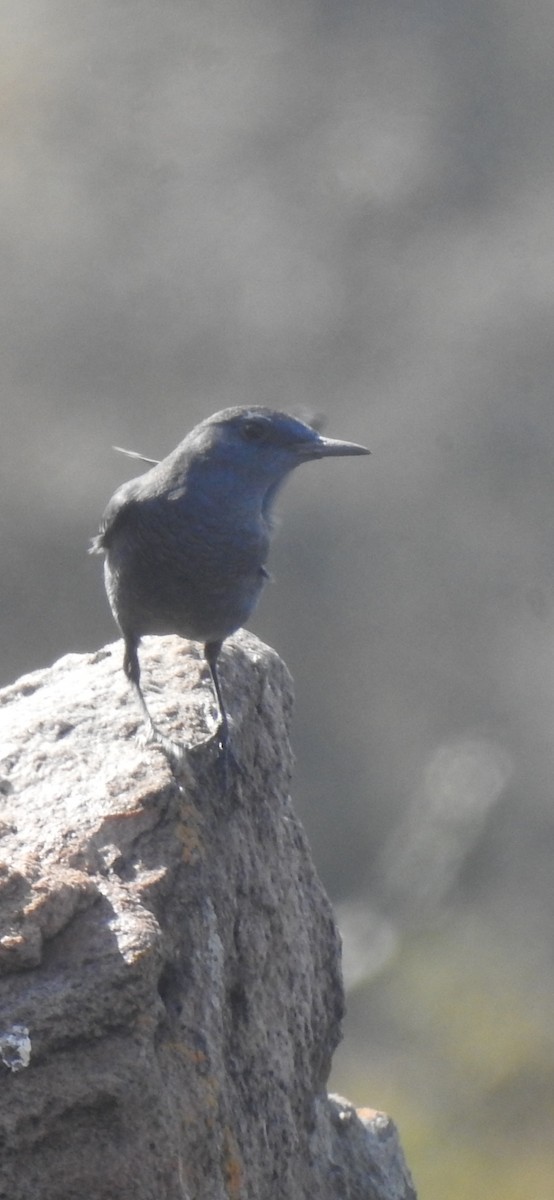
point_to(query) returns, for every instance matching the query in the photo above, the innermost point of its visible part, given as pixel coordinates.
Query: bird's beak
(326, 447)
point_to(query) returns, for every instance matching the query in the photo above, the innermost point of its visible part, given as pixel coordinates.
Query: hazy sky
(345, 207)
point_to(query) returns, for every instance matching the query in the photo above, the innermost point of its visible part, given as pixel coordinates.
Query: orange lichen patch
(189, 837)
(232, 1167)
(188, 1054)
(12, 941)
(369, 1114)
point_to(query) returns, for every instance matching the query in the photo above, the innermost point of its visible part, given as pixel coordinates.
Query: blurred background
(347, 208)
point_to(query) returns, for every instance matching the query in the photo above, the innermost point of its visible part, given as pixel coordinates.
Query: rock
(170, 989)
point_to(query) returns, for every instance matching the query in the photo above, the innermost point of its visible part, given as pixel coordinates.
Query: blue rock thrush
(186, 542)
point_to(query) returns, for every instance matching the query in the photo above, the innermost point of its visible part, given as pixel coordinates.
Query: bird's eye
(254, 431)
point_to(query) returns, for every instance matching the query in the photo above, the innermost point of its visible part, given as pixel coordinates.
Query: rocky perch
(170, 987)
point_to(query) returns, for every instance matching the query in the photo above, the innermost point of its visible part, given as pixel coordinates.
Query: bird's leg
(211, 654)
(131, 667)
(174, 751)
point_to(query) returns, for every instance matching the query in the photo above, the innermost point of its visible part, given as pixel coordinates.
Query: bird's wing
(119, 510)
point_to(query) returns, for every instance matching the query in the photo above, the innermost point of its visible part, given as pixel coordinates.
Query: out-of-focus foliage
(457, 1042)
(342, 207)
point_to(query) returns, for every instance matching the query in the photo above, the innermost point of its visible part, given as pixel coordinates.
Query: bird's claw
(225, 758)
(180, 755)
(174, 751)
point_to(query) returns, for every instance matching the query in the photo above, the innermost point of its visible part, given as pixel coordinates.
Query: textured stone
(170, 996)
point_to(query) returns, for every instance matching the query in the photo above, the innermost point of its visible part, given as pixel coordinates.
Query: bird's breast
(181, 572)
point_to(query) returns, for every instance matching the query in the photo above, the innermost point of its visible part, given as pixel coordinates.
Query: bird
(186, 543)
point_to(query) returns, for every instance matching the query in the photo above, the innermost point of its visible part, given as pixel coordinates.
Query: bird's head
(263, 445)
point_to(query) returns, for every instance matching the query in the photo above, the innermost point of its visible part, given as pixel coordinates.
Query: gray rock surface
(170, 990)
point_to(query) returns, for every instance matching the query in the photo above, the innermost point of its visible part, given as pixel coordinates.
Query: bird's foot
(226, 761)
(180, 756)
(175, 752)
